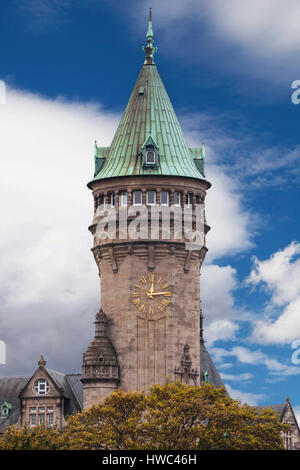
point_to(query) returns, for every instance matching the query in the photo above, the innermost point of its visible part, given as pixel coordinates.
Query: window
(32, 420)
(41, 387)
(124, 198)
(41, 420)
(32, 410)
(41, 410)
(188, 199)
(137, 198)
(151, 198)
(177, 198)
(5, 411)
(50, 419)
(113, 200)
(50, 408)
(150, 152)
(164, 198)
(150, 155)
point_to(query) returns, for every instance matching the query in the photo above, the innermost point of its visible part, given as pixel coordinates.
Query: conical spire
(149, 49)
(149, 114)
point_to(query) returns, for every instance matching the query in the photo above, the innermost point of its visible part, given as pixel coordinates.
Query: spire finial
(149, 49)
(42, 361)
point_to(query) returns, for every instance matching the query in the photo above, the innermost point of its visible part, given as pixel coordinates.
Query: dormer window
(5, 409)
(41, 387)
(150, 155)
(150, 152)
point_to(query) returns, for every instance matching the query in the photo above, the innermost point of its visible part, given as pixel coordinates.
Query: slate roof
(10, 388)
(206, 363)
(278, 409)
(76, 386)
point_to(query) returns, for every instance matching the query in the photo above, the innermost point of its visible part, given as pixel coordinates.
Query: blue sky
(69, 67)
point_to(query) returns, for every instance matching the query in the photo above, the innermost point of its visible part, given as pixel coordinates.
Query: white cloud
(255, 358)
(249, 398)
(246, 377)
(224, 211)
(279, 275)
(254, 24)
(217, 286)
(245, 32)
(49, 287)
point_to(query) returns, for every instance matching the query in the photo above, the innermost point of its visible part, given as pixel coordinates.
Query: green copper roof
(149, 113)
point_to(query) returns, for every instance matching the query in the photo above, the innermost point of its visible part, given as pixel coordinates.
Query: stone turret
(150, 279)
(100, 368)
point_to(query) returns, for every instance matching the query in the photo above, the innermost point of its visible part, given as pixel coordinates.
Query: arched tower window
(150, 152)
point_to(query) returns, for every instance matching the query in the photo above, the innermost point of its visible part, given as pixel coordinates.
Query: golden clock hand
(158, 293)
(149, 294)
(152, 287)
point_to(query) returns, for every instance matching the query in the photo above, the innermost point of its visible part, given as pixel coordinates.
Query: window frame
(32, 417)
(168, 198)
(41, 419)
(150, 149)
(37, 388)
(134, 201)
(48, 419)
(189, 198)
(147, 200)
(123, 193)
(177, 204)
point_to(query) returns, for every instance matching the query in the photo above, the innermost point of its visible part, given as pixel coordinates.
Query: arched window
(150, 155)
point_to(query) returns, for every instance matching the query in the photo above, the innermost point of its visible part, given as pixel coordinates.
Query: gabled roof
(149, 112)
(12, 387)
(281, 411)
(278, 409)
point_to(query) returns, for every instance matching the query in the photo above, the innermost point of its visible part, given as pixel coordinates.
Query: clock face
(151, 295)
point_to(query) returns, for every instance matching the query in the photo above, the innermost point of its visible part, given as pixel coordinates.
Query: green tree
(172, 417)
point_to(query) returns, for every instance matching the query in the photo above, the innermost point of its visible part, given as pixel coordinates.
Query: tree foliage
(171, 417)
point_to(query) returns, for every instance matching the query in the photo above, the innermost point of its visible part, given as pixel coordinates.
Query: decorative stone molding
(185, 373)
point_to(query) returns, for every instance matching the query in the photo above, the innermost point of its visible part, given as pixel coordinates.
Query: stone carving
(185, 373)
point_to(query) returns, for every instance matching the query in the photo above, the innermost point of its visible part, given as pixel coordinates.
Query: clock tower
(148, 327)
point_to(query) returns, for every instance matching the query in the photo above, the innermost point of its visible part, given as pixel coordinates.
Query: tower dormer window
(150, 155)
(41, 387)
(150, 152)
(5, 409)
